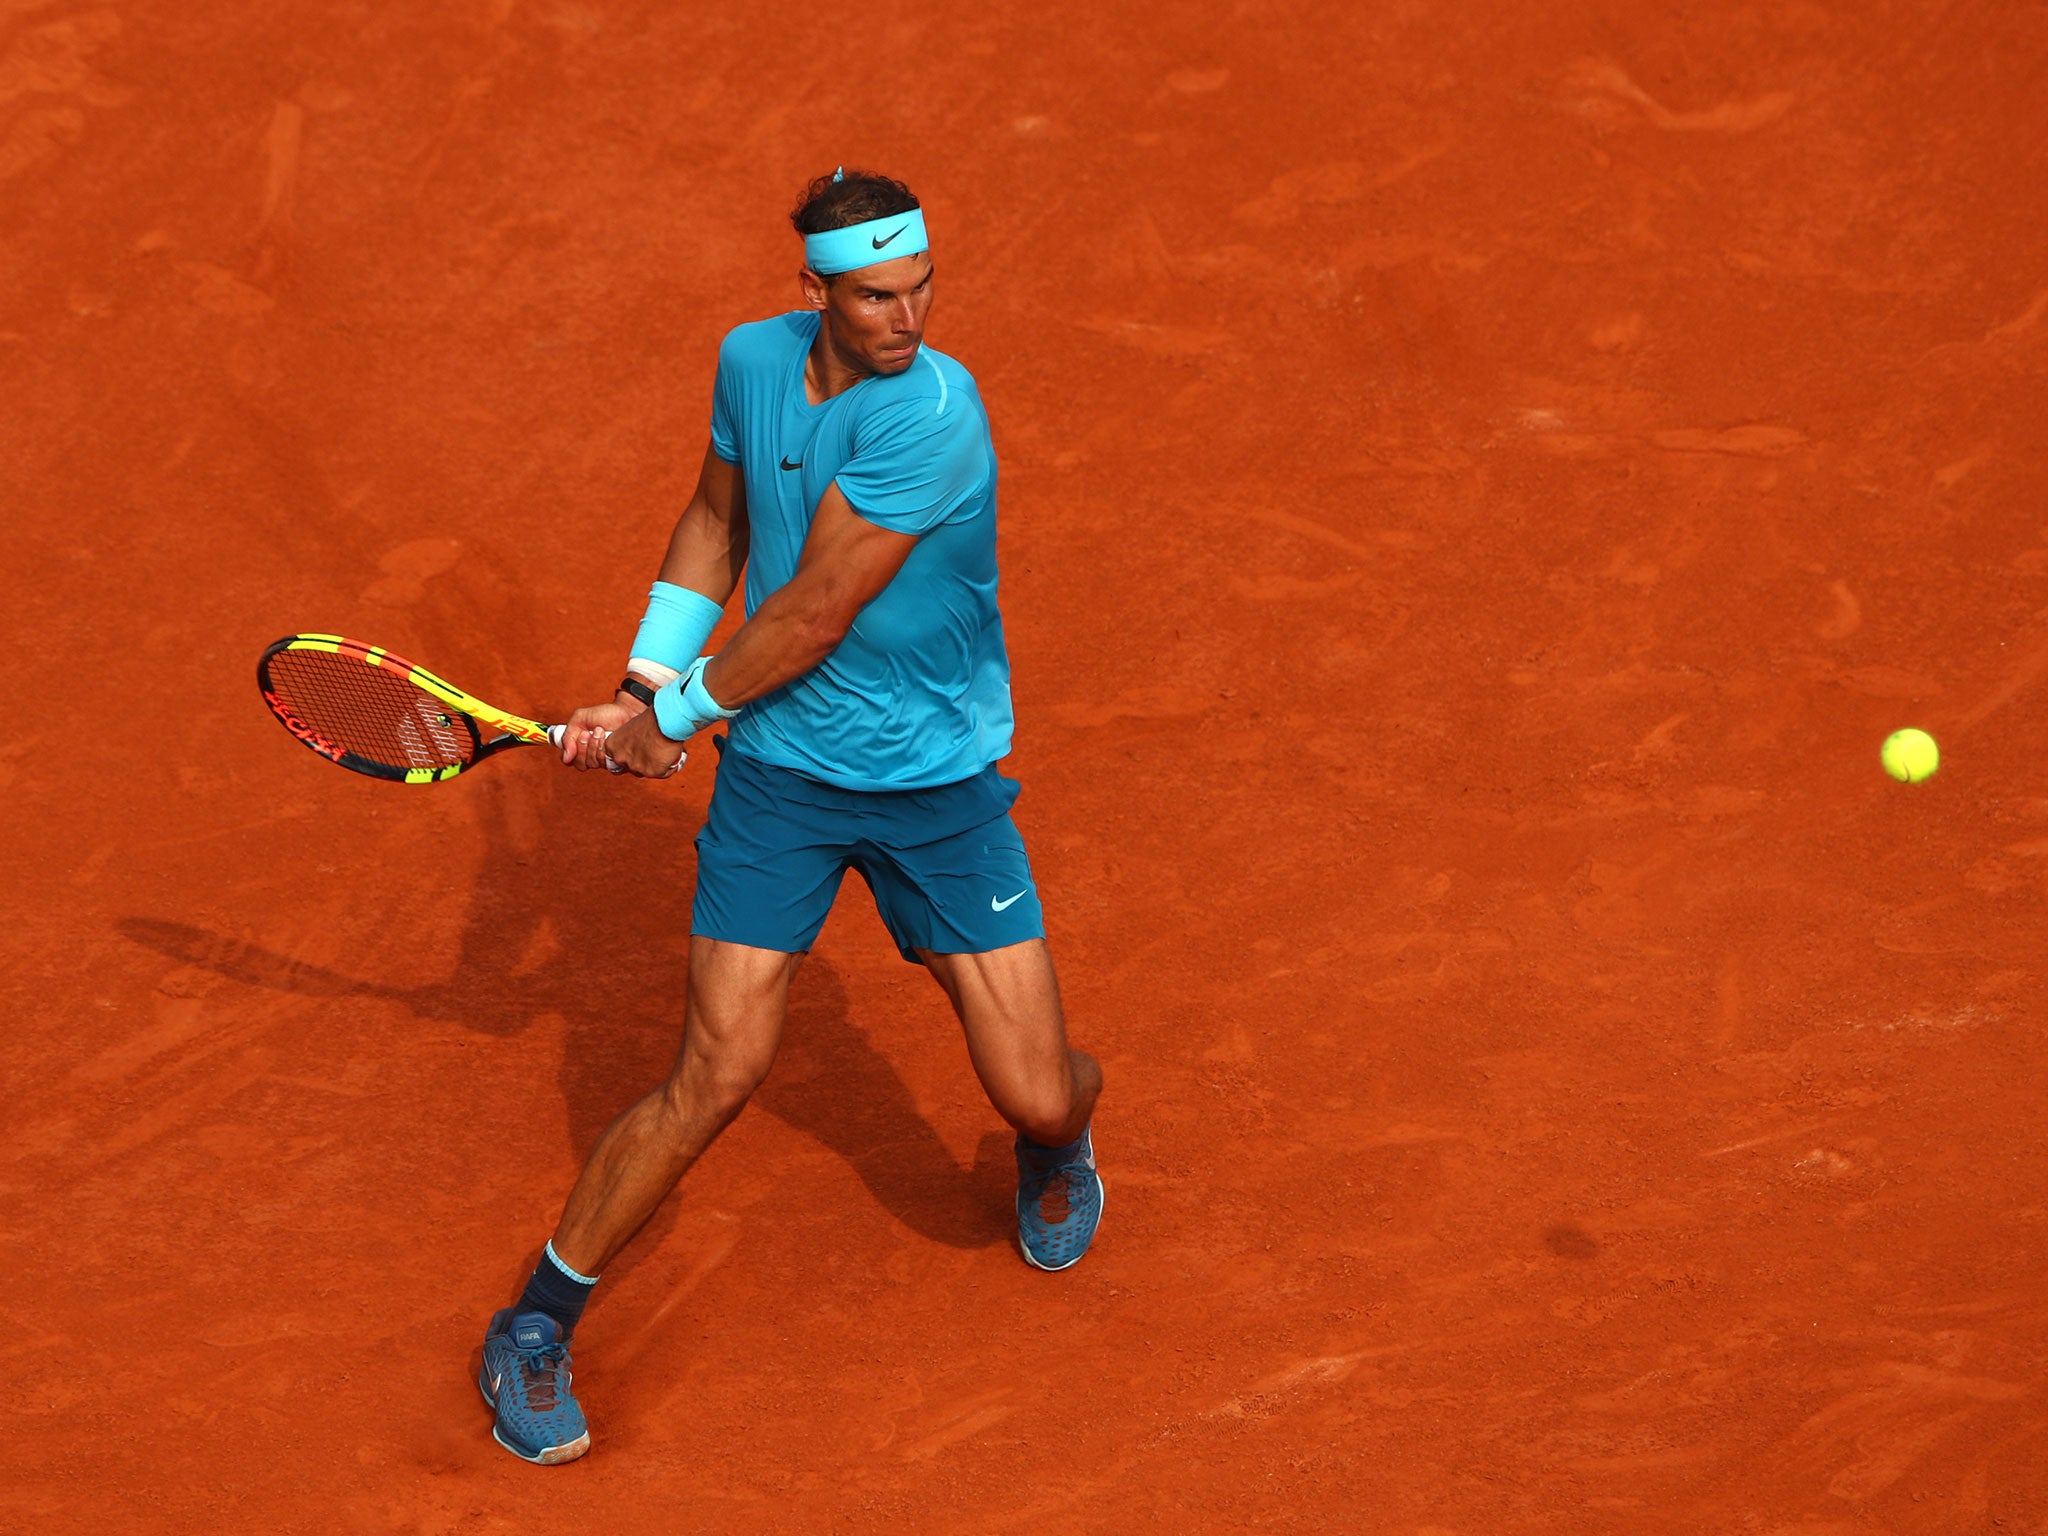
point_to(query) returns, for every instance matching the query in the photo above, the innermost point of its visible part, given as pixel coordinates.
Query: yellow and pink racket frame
(512, 730)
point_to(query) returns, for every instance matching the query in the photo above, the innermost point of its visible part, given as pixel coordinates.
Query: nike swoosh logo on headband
(878, 244)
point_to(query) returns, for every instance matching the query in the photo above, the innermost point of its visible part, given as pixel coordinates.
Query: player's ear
(814, 287)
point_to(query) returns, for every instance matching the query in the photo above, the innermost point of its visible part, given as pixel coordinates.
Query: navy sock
(558, 1291)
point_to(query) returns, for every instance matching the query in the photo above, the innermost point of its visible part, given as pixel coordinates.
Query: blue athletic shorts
(946, 865)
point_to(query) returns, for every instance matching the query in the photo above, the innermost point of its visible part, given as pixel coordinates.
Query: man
(851, 478)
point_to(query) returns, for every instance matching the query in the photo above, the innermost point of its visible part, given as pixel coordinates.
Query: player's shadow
(830, 1083)
(611, 971)
(541, 920)
(571, 919)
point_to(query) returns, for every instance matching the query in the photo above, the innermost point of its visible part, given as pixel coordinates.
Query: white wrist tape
(653, 671)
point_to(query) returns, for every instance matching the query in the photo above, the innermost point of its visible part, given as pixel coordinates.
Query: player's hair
(849, 197)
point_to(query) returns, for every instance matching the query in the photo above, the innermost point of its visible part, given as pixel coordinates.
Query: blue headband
(862, 245)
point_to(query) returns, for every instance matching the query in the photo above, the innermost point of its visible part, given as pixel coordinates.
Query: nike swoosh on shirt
(997, 906)
(879, 243)
(799, 464)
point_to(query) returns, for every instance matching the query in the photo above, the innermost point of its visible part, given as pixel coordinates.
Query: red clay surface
(1479, 484)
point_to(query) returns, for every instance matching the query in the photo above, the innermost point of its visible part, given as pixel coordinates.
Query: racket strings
(373, 712)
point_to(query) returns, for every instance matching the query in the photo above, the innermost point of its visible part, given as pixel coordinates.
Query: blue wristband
(684, 707)
(697, 698)
(677, 624)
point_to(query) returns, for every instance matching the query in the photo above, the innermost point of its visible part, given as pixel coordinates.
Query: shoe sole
(1101, 1205)
(553, 1456)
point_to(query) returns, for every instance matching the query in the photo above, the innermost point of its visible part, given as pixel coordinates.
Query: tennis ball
(1910, 756)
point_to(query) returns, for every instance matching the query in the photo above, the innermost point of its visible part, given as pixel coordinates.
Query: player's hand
(581, 741)
(638, 747)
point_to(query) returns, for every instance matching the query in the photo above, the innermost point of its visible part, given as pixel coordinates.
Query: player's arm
(846, 562)
(707, 552)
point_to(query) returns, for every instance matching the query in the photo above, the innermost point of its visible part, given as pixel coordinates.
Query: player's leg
(768, 867)
(1008, 1004)
(732, 1024)
(731, 1028)
(766, 876)
(955, 887)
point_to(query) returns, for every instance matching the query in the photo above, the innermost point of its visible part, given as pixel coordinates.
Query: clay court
(1478, 487)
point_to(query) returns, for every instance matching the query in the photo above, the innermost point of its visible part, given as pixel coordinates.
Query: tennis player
(852, 481)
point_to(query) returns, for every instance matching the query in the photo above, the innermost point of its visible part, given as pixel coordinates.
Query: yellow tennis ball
(1910, 756)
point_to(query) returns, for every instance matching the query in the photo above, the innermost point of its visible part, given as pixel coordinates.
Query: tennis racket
(375, 713)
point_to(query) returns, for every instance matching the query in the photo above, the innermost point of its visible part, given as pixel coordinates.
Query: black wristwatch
(639, 690)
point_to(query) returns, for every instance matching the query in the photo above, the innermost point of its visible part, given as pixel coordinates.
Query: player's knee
(735, 1081)
(718, 1080)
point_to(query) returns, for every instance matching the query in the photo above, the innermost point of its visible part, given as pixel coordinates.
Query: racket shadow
(254, 966)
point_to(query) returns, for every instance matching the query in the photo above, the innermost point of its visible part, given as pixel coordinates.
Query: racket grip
(555, 734)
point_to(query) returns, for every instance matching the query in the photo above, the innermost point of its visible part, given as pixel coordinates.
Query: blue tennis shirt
(918, 693)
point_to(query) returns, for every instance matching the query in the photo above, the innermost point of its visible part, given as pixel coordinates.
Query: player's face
(877, 313)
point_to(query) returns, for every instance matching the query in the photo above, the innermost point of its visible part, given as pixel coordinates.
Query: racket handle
(555, 733)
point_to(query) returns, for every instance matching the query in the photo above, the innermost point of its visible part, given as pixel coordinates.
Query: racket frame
(512, 730)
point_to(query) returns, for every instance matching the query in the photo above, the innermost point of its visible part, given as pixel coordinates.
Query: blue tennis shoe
(525, 1379)
(1059, 1201)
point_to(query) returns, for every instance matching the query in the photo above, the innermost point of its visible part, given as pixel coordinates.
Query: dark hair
(853, 197)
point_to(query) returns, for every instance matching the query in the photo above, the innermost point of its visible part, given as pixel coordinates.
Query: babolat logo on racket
(300, 729)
